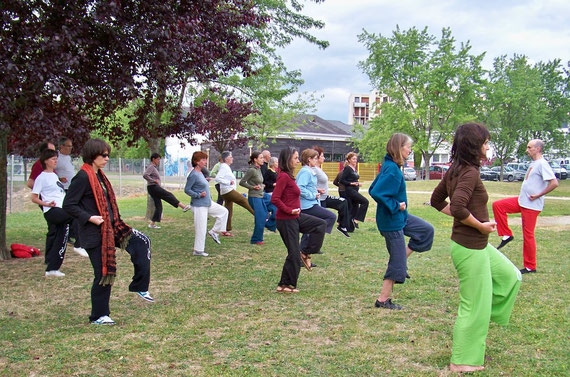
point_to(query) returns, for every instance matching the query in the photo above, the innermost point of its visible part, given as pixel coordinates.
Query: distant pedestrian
(157, 193)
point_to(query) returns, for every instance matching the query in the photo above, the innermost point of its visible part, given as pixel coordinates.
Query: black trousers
(220, 200)
(158, 194)
(289, 231)
(341, 205)
(357, 204)
(139, 249)
(321, 213)
(56, 238)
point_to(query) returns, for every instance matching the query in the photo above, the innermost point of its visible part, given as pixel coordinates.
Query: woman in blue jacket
(393, 220)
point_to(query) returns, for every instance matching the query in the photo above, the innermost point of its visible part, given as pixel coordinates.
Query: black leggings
(56, 239)
(139, 249)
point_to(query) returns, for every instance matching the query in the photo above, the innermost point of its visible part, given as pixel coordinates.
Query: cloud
(536, 28)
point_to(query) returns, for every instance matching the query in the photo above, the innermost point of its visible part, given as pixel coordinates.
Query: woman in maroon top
(291, 222)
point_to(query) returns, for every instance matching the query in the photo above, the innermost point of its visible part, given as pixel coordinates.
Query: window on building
(356, 99)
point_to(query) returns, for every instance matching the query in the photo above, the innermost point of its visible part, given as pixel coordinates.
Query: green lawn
(220, 316)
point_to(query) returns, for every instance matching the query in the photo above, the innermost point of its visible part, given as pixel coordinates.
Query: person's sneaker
(153, 226)
(525, 270)
(215, 237)
(187, 208)
(200, 253)
(145, 296)
(504, 242)
(57, 273)
(103, 320)
(259, 243)
(343, 231)
(81, 251)
(388, 304)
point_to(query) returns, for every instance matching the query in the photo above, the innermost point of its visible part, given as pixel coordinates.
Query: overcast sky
(539, 29)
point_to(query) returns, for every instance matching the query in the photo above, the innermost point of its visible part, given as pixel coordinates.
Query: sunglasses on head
(104, 155)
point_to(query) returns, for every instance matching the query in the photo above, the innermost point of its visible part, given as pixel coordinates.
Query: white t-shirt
(65, 168)
(537, 177)
(48, 186)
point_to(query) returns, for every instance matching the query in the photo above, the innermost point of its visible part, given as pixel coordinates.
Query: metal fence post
(11, 180)
(120, 178)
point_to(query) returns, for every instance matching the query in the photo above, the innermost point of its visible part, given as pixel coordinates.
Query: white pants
(201, 222)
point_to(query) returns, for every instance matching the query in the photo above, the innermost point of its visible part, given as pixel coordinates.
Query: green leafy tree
(524, 102)
(432, 88)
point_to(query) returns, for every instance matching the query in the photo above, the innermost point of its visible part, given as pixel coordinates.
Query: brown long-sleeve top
(467, 195)
(151, 175)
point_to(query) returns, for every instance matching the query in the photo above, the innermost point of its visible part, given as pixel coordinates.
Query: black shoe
(355, 224)
(504, 242)
(525, 270)
(313, 265)
(344, 232)
(408, 276)
(388, 304)
(319, 252)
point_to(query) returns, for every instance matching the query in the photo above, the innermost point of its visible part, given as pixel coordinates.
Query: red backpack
(23, 251)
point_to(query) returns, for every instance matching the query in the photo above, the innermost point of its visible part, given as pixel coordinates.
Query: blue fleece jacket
(389, 190)
(307, 182)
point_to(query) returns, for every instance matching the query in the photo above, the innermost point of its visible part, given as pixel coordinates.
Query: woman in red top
(291, 222)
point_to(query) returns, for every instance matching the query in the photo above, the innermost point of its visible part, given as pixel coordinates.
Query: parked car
(559, 171)
(410, 174)
(437, 171)
(488, 174)
(510, 174)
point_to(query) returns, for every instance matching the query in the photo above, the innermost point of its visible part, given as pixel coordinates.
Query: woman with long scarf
(91, 200)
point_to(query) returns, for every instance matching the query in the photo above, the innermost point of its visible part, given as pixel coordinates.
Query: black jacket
(348, 176)
(80, 203)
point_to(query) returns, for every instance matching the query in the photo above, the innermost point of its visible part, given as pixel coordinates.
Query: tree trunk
(4, 252)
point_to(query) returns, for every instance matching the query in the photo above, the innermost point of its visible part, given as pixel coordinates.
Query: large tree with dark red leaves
(68, 66)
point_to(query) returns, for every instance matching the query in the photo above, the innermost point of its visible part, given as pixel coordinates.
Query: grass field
(220, 315)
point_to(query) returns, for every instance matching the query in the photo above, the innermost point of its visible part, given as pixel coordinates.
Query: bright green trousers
(488, 286)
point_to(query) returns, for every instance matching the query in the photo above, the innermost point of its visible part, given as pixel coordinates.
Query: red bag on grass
(23, 251)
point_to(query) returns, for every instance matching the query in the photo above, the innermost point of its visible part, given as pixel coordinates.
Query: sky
(539, 29)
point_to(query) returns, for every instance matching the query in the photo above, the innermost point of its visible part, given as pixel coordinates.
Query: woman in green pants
(488, 281)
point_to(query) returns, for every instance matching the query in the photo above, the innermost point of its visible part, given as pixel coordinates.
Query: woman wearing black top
(91, 201)
(358, 204)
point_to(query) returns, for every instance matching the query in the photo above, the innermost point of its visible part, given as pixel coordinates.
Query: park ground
(220, 315)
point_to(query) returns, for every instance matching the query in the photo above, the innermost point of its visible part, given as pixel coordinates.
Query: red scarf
(112, 234)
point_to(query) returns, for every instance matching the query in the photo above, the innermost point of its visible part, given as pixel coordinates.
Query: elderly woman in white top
(227, 181)
(198, 188)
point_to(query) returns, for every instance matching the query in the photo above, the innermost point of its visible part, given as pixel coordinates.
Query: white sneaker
(57, 273)
(145, 296)
(103, 320)
(153, 226)
(200, 253)
(81, 251)
(187, 208)
(214, 236)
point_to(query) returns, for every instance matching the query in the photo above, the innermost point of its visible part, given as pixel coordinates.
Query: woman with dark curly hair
(488, 281)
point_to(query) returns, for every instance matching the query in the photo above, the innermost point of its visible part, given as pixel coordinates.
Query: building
(364, 106)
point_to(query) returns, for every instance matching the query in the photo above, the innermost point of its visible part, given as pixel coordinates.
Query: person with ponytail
(253, 181)
(91, 201)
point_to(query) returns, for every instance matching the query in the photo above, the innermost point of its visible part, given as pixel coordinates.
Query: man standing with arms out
(539, 181)
(65, 172)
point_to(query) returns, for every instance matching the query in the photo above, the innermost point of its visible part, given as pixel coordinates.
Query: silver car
(410, 174)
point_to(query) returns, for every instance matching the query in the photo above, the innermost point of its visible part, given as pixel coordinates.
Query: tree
(432, 88)
(69, 66)
(524, 102)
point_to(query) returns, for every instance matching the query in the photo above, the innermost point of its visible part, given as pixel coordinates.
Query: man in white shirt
(539, 181)
(66, 171)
